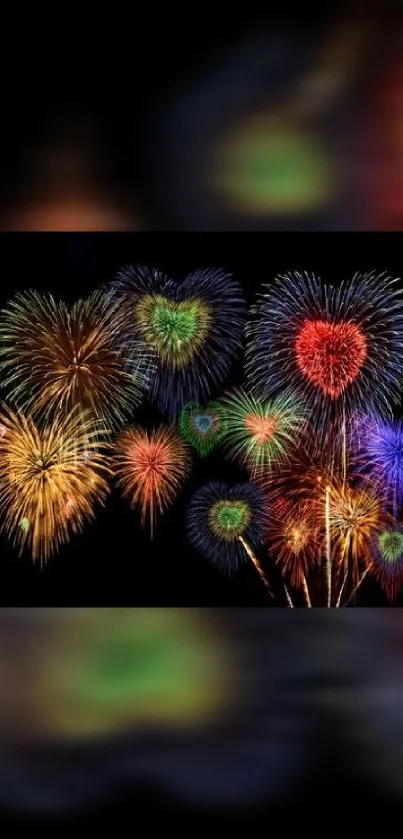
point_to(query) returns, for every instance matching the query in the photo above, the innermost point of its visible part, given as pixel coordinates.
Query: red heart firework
(330, 355)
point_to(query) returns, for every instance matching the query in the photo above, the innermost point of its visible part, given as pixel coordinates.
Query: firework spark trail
(54, 358)
(345, 578)
(151, 467)
(194, 327)
(355, 589)
(328, 548)
(306, 592)
(257, 565)
(48, 487)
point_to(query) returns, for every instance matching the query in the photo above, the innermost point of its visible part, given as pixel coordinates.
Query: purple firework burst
(194, 328)
(380, 456)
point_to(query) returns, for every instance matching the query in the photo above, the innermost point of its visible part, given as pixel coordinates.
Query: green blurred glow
(267, 168)
(25, 525)
(116, 668)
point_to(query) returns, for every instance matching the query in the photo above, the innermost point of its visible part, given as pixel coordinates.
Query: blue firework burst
(195, 328)
(220, 516)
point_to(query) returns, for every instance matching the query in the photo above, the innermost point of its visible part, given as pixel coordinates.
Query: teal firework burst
(260, 433)
(203, 427)
(386, 560)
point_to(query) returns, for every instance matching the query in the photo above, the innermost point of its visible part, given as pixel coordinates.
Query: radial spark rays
(194, 327)
(151, 467)
(47, 488)
(340, 347)
(203, 427)
(54, 358)
(219, 516)
(259, 434)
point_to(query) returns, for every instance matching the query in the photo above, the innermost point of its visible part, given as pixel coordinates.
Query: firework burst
(195, 329)
(223, 519)
(303, 476)
(54, 358)
(48, 488)
(355, 515)
(339, 348)
(151, 467)
(203, 427)
(260, 434)
(294, 534)
(380, 457)
(385, 560)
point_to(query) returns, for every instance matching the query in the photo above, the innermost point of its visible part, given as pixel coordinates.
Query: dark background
(114, 563)
(135, 132)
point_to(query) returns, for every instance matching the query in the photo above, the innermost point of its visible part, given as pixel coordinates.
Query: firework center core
(229, 519)
(391, 545)
(261, 428)
(330, 355)
(297, 538)
(203, 423)
(176, 329)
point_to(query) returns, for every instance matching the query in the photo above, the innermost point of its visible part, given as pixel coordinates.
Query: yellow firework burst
(50, 478)
(354, 516)
(54, 357)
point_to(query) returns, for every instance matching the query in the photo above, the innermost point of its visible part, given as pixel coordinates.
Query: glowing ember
(330, 355)
(262, 428)
(297, 538)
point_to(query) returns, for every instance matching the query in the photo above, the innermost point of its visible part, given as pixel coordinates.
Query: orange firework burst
(294, 534)
(354, 516)
(51, 477)
(54, 357)
(151, 467)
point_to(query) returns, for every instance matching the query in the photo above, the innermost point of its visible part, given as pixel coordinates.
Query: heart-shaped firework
(338, 347)
(194, 328)
(174, 330)
(221, 519)
(202, 427)
(330, 355)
